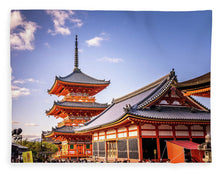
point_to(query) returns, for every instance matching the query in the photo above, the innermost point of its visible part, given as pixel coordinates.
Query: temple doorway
(80, 149)
(149, 147)
(111, 149)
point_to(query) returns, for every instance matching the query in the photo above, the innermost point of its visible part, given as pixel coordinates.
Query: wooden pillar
(174, 132)
(116, 137)
(84, 148)
(140, 149)
(190, 133)
(106, 149)
(158, 143)
(127, 132)
(98, 136)
(68, 150)
(204, 130)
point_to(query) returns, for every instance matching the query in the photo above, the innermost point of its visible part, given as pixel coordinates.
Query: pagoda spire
(76, 54)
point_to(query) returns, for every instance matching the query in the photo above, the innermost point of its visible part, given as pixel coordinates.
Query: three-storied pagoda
(77, 107)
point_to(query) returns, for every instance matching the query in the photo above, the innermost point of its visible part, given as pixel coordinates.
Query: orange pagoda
(77, 107)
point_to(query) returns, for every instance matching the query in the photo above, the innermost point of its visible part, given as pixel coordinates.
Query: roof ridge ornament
(76, 63)
(173, 74)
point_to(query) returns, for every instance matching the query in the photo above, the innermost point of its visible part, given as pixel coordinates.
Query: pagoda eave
(56, 109)
(67, 135)
(64, 111)
(63, 88)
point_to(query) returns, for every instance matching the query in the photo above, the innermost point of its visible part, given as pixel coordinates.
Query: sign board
(27, 157)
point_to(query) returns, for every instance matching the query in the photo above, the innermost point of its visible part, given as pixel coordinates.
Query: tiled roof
(81, 104)
(19, 146)
(116, 110)
(77, 76)
(172, 113)
(133, 103)
(198, 82)
(158, 92)
(64, 129)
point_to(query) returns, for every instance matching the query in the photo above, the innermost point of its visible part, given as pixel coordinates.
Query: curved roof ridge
(143, 89)
(156, 93)
(86, 79)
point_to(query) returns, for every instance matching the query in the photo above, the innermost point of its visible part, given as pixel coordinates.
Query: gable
(174, 97)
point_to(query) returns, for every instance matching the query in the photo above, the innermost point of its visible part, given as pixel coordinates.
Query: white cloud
(22, 32)
(111, 60)
(18, 81)
(19, 91)
(59, 18)
(32, 80)
(96, 41)
(31, 124)
(16, 19)
(25, 80)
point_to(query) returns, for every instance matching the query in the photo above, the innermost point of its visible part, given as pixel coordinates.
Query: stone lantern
(206, 147)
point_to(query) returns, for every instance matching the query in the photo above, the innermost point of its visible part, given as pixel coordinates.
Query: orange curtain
(175, 153)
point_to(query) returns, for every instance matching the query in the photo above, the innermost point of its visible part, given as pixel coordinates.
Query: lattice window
(95, 148)
(133, 148)
(122, 149)
(102, 149)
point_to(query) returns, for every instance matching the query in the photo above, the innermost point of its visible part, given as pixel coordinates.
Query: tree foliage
(40, 151)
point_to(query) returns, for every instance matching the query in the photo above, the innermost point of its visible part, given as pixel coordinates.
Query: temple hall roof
(137, 102)
(172, 113)
(195, 83)
(116, 110)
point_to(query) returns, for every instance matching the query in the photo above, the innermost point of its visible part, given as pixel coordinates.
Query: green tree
(40, 151)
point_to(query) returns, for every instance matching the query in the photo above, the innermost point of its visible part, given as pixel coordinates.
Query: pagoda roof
(64, 129)
(139, 103)
(77, 76)
(76, 105)
(75, 80)
(81, 104)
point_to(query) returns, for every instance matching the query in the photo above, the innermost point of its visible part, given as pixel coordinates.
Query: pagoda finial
(76, 54)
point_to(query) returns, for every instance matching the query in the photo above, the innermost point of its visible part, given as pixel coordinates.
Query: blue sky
(129, 48)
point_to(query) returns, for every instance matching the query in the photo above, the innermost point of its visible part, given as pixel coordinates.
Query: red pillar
(127, 131)
(204, 130)
(140, 149)
(190, 133)
(174, 132)
(158, 143)
(116, 136)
